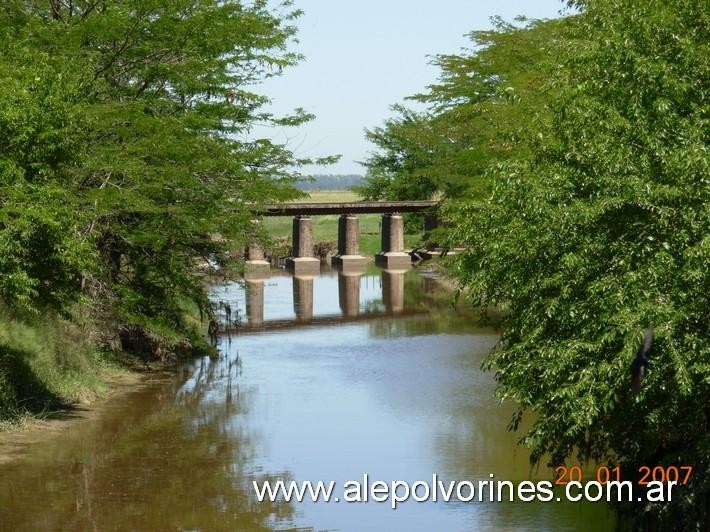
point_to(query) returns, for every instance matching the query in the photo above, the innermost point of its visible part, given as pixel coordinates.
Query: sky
(363, 56)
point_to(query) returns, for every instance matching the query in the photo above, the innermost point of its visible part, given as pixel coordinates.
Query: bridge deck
(359, 207)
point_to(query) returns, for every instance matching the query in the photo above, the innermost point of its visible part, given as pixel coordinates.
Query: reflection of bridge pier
(393, 290)
(349, 292)
(300, 293)
(254, 289)
(303, 297)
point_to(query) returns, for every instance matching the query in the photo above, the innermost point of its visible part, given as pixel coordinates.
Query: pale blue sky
(362, 56)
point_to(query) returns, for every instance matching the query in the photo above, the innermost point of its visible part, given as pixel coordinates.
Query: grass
(330, 196)
(326, 227)
(46, 364)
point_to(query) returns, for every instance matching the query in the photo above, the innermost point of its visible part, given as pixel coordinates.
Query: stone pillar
(349, 294)
(348, 257)
(303, 262)
(392, 233)
(393, 290)
(348, 235)
(255, 252)
(256, 265)
(392, 255)
(431, 222)
(255, 302)
(303, 298)
(302, 236)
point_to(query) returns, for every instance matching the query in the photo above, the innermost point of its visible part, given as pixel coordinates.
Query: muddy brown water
(378, 375)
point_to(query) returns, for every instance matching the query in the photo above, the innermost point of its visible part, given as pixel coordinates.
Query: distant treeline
(331, 182)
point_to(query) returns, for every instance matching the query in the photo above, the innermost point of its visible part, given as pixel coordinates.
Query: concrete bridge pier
(348, 257)
(393, 290)
(303, 261)
(303, 297)
(392, 255)
(349, 293)
(255, 302)
(256, 264)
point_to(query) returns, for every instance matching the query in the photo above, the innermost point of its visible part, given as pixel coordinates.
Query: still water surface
(328, 379)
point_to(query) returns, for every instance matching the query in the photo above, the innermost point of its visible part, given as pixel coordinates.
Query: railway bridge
(304, 262)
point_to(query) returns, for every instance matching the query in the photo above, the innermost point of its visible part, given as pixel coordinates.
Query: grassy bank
(49, 363)
(46, 364)
(326, 227)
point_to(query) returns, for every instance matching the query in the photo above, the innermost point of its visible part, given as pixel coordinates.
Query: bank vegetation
(125, 148)
(573, 156)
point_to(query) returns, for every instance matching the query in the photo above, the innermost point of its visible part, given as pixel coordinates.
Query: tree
(598, 228)
(40, 257)
(475, 114)
(129, 121)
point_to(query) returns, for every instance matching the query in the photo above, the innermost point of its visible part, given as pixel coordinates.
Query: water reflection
(303, 298)
(391, 386)
(393, 290)
(254, 301)
(349, 293)
(164, 458)
(285, 300)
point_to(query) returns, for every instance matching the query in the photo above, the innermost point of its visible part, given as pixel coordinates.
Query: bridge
(357, 207)
(304, 262)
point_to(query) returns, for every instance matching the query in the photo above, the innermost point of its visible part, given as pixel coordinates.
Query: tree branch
(56, 12)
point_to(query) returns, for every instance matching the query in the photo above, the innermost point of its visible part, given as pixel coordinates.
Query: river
(328, 378)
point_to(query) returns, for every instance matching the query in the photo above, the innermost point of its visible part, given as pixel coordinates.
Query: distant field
(328, 196)
(326, 227)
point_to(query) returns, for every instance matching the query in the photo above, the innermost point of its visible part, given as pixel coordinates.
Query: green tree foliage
(396, 170)
(475, 114)
(40, 257)
(125, 153)
(599, 227)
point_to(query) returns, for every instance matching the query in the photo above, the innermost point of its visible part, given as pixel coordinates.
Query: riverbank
(51, 367)
(46, 364)
(17, 438)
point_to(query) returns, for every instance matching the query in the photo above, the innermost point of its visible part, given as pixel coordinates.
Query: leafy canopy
(476, 114)
(596, 229)
(126, 153)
